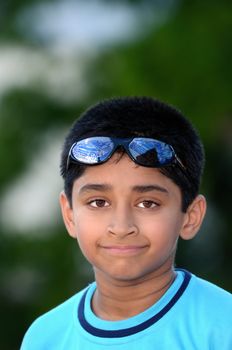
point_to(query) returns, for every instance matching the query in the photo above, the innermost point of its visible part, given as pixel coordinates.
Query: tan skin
(127, 220)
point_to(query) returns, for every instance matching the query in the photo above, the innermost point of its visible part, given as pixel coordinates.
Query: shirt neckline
(119, 332)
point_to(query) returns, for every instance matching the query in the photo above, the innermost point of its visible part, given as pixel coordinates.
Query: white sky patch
(31, 202)
(80, 24)
(59, 76)
(74, 32)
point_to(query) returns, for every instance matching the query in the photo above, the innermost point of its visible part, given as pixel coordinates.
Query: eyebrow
(137, 188)
(95, 187)
(149, 188)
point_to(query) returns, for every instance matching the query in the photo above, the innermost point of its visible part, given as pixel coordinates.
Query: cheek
(87, 234)
(163, 228)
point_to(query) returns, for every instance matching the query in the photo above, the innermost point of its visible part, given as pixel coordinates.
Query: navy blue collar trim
(132, 330)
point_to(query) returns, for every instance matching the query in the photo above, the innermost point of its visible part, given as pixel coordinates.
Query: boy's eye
(147, 204)
(98, 203)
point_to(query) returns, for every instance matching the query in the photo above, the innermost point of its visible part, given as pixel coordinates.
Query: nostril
(122, 231)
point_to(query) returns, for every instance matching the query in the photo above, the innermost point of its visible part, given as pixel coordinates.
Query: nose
(122, 223)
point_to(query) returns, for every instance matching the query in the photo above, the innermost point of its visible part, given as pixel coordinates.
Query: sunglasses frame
(125, 144)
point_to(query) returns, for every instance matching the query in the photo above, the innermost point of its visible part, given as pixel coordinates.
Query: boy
(132, 169)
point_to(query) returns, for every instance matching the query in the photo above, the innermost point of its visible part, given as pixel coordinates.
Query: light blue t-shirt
(192, 315)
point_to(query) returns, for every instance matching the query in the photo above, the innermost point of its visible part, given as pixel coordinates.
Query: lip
(124, 249)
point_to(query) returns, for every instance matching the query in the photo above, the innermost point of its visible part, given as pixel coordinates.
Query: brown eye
(147, 204)
(99, 203)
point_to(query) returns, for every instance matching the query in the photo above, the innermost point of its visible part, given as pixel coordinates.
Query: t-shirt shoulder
(210, 290)
(45, 324)
(211, 300)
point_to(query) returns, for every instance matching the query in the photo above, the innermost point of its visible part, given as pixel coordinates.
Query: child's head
(141, 117)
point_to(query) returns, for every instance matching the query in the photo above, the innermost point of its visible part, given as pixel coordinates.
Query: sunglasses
(143, 151)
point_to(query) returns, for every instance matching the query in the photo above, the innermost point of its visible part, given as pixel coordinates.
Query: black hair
(147, 117)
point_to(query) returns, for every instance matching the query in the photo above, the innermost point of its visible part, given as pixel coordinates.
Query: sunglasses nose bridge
(122, 145)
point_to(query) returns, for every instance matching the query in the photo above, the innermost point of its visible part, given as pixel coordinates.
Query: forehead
(119, 164)
(120, 172)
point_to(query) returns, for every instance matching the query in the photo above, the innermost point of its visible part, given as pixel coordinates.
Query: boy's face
(126, 218)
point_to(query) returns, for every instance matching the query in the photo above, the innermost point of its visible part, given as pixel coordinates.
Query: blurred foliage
(25, 114)
(187, 62)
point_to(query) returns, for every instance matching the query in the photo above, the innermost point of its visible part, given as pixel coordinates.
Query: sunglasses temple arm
(68, 159)
(180, 163)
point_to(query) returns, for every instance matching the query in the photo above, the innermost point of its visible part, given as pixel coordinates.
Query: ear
(193, 218)
(67, 213)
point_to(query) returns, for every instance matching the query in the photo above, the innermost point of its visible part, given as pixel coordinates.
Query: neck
(117, 300)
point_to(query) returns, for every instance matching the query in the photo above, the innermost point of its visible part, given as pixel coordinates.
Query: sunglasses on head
(143, 151)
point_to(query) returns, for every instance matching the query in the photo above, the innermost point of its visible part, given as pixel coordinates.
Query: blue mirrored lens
(151, 152)
(93, 150)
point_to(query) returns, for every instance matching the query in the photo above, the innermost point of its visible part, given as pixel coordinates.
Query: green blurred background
(56, 59)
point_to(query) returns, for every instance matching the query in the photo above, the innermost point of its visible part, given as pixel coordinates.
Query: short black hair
(141, 116)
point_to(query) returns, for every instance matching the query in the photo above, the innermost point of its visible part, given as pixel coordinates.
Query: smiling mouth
(124, 250)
